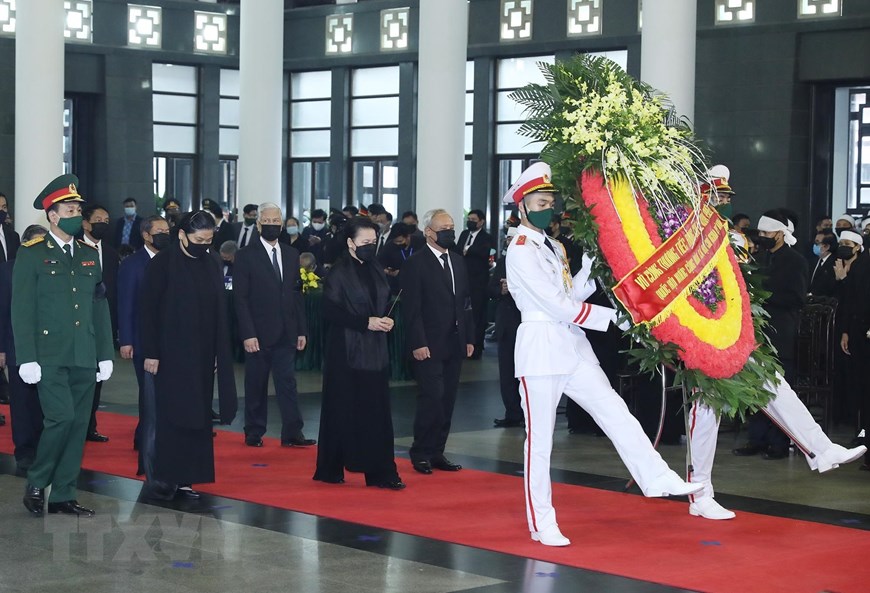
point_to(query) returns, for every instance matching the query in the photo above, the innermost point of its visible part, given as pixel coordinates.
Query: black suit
(438, 318)
(507, 322)
(822, 279)
(234, 232)
(13, 240)
(226, 232)
(271, 310)
(110, 263)
(477, 263)
(136, 241)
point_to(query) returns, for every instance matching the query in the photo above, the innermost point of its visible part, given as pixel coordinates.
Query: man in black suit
(224, 231)
(9, 242)
(316, 233)
(822, 280)
(245, 232)
(395, 253)
(474, 245)
(272, 325)
(507, 322)
(439, 331)
(95, 228)
(127, 228)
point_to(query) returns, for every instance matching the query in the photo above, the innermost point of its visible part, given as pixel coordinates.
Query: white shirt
(249, 230)
(438, 254)
(277, 249)
(151, 254)
(819, 264)
(3, 240)
(472, 236)
(71, 243)
(550, 339)
(98, 245)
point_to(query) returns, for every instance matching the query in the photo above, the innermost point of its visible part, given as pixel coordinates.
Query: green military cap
(61, 189)
(171, 203)
(213, 207)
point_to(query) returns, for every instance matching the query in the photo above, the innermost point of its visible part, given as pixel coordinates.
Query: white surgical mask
(130, 211)
(318, 226)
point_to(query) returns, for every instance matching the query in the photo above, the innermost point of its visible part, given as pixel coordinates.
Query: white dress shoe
(551, 536)
(708, 508)
(837, 455)
(670, 484)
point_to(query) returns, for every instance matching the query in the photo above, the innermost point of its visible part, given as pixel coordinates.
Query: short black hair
(89, 210)
(33, 231)
(739, 217)
(249, 208)
(823, 217)
(148, 223)
(825, 231)
(2, 195)
(789, 215)
(401, 229)
(128, 200)
(411, 213)
(352, 209)
(376, 209)
(478, 212)
(356, 224)
(213, 207)
(777, 214)
(198, 220)
(831, 241)
(318, 213)
(389, 216)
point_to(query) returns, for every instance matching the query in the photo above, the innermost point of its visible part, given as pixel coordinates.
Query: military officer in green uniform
(63, 337)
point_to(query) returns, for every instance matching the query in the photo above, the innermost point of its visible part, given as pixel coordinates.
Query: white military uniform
(553, 357)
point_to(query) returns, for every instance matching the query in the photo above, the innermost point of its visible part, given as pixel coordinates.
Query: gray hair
(229, 248)
(269, 206)
(307, 260)
(427, 218)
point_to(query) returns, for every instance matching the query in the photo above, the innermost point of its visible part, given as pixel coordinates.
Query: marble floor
(237, 546)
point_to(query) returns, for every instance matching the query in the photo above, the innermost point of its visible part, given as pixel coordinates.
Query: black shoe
(4, 397)
(96, 437)
(775, 454)
(396, 484)
(215, 417)
(34, 500)
(298, 441)
(157, 490)
(445, 464)
(424, 467)
(328, 480)
(748, 450)
(254, 441)
(505, 423)
(2, 420)
(70, 507)
(187, 493)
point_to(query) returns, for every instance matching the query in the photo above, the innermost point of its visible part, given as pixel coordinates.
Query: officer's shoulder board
(521, 240)
(80, 242)
(34, 241)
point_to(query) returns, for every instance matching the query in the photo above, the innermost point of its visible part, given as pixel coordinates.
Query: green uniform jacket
(60, 316)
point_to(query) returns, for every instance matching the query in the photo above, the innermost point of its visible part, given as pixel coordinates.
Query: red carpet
(647, 539)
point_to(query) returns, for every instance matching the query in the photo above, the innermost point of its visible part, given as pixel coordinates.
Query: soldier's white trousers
(785, 409)
(589, 387)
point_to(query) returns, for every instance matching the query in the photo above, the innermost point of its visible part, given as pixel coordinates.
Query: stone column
(667, 56)
(39, 84)
(441, 106)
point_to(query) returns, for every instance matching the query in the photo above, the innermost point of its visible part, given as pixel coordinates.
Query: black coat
(347, 308)
(136, 241)
(172, 331)
(234, 233)
(476, 258)
(854, 305)
(13, 240)
(507, 316)
(111, 263)
(787, 280)
(266, 308)
(434, 316)
(226, 232)
(822, 279)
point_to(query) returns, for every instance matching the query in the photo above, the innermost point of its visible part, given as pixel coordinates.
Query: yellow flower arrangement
(310, 280)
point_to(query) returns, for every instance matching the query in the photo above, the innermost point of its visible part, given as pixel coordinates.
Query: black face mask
(445, 239)
(197, 250)
(99, 230)
(844, 252)
(3, 216)
(270, 232)
(471, 225)
(249, 221)
(765, 242)
(366, 253)
(160, 241)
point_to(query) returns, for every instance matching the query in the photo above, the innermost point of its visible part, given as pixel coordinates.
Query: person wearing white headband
(844, 223)
(770, 227)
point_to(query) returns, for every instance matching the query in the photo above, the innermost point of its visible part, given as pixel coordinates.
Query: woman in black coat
(356, 426)
(184, 333)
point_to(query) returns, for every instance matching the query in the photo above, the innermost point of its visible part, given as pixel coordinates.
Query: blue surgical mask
(292, 230)
(817, 250)
(130, 211)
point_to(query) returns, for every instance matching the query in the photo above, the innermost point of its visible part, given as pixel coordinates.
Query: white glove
(30, 373)
(623, 325)
(104, 370)
(586, 262)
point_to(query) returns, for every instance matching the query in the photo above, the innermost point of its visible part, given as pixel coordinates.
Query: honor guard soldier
(553, 357)
(63, 339)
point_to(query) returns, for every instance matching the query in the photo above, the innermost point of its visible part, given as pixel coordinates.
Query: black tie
(275, 263)
(244, 240)
(2, 252)
(68, 250)
(380, 244)
(448, 275)
(816, 269)
(550, 245)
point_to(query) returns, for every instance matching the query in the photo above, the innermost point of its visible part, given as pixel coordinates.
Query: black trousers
(139, 368)
(509, 384)
(92, 425)
(479, 303)
(438, 381)
(280, 359)
(26, 413)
